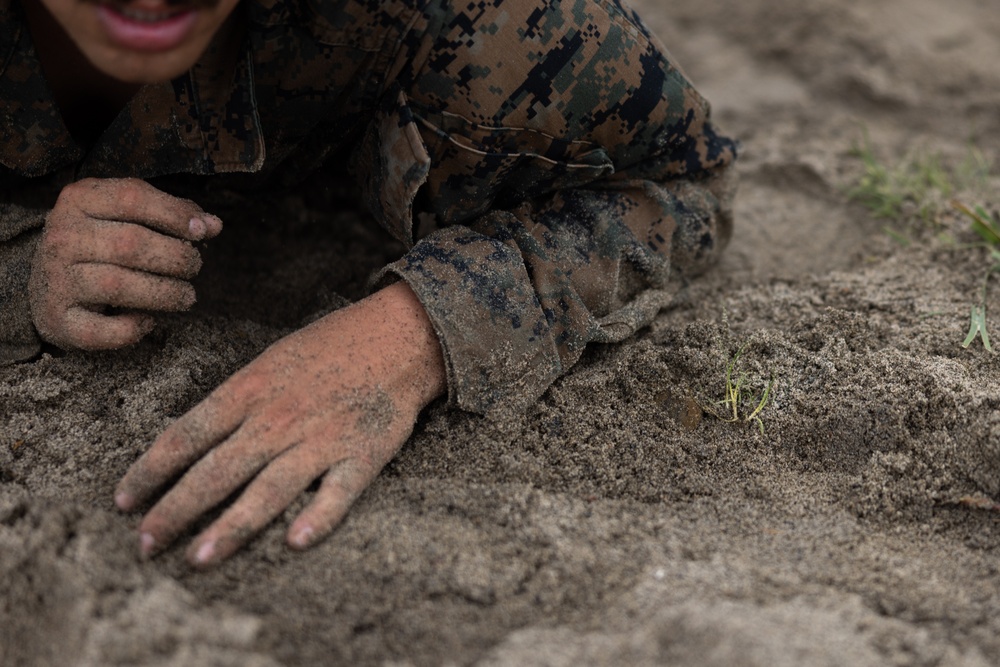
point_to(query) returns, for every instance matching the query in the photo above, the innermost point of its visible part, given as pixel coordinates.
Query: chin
(147, 68)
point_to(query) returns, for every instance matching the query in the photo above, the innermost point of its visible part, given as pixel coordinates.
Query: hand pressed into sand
(335, 400)
(114, 243)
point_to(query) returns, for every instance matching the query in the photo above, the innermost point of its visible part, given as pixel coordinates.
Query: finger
(88, 330)
(266, 497)
(110, 285)
(134, 200)
(341, 486)
(209, 481)
(208, 423)
(136, 247)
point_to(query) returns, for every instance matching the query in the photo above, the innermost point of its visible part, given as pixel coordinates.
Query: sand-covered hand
(114, 243)
(334, 400)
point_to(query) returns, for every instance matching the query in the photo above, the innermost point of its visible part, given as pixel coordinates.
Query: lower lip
(148, 36)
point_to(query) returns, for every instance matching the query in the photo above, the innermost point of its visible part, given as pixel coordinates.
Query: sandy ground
(613, 523)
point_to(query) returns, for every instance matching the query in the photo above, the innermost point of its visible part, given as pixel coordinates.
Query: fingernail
(214, 224)
(146, 545)
(205, 553)
(303, 537)
(197, 228)
(123, 501)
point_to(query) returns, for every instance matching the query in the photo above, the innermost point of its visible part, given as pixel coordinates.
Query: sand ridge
(602, 527)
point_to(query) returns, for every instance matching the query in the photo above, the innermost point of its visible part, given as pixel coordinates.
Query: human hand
(335, 400)
(117, 243)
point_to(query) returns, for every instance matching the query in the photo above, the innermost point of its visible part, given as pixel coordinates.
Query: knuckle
(49, 316)
(75, 194)
(56, 239)
(272, 491)
(51, 328)
(130, 193)
(188, 205)
(176, 444)
(109, 284)
(250, 383)
(127, 246)
(76, 189)
(350, 477)
(365, 472)
(345, 491)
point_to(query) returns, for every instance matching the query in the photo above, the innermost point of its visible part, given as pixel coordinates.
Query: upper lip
(143, 12)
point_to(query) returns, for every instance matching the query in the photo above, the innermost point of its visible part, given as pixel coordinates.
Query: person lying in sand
(572, 170)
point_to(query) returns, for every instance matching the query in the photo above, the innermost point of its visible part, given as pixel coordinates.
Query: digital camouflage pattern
(570, 167)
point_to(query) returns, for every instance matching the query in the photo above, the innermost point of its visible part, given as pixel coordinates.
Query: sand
(614, 523)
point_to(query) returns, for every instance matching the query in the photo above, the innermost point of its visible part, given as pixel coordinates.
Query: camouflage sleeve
(573, 171)
(20, 229)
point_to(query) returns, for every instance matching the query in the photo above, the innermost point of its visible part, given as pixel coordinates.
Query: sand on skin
(597, 528)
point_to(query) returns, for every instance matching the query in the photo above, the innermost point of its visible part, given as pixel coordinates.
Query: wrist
(415, 338)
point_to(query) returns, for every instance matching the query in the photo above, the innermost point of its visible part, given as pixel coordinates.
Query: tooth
(144, 16)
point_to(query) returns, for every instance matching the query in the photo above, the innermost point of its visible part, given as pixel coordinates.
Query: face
(141, 41)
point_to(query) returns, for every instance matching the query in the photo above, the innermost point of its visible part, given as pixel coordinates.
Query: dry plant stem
(979, 502)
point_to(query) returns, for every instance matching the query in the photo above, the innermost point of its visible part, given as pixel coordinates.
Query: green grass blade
(977, 326)
(763, 402)
(982, 222)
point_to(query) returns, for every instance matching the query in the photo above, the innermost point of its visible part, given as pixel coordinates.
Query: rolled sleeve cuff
(493, 332)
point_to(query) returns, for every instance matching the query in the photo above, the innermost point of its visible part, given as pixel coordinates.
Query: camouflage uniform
(571, 168)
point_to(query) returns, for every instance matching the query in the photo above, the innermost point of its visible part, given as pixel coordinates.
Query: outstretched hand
(114, 243)
(335, 400)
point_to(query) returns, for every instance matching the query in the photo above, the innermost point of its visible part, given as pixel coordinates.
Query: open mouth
(145, 15)
(147, 27)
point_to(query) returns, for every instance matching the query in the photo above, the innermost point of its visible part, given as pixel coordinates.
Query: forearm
(567, 197)
(616, 254)
(517, 295)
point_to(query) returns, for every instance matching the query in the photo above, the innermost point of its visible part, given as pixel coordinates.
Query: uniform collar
(203, 122)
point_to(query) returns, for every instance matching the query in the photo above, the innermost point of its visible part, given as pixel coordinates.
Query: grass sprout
(922, 186)
(920, 182)
(741, 404)
(987, 226)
